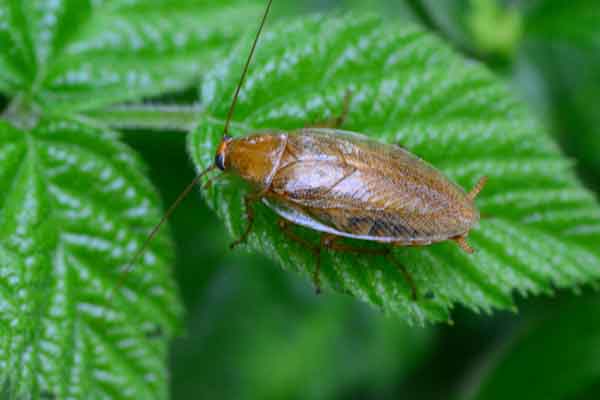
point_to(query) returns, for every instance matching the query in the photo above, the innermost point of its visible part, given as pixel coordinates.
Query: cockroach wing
(345, 184)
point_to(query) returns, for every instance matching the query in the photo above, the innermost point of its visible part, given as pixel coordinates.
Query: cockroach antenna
(244, 72)
(197, 179)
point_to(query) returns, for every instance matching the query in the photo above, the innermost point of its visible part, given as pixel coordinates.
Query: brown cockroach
(343, 185)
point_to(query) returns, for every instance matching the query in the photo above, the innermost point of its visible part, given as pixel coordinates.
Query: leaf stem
(148, 116)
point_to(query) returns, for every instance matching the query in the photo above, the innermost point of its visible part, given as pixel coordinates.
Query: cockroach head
(221, 152)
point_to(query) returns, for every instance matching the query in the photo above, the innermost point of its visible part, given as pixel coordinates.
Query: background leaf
(80, 54)
(411, 89)
(75, 206)
(566, 339)
(15, 59)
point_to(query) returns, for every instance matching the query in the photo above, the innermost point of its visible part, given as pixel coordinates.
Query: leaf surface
(541, 228)
(70, 55)
(75, 206)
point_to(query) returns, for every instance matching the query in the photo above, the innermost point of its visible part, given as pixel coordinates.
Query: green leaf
(565, 340)
(15, 57)
(541, 228)
(81, 54)
(74, 208)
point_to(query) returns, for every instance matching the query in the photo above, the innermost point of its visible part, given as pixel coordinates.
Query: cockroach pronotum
(343, 185)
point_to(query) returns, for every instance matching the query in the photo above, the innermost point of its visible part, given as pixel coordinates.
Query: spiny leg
(461, 241)
(316, 250)
(475, 192)
(249, 200)
(332, 242)
(336, 121)
(477, 188)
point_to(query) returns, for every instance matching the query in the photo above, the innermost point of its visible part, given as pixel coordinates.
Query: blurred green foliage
(566, 339)
(255, 332)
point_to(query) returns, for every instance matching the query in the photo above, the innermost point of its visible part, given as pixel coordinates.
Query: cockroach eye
(220, 161)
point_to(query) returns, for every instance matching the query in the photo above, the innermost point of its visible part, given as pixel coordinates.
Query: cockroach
(343, 185)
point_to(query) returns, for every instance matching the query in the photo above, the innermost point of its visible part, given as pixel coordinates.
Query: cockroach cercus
(343, 185)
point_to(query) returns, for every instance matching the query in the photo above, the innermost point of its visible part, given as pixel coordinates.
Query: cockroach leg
(477, 188)
(337, 121)
(461, 241)
(332, 242)
(249, 200)
(316, 250)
